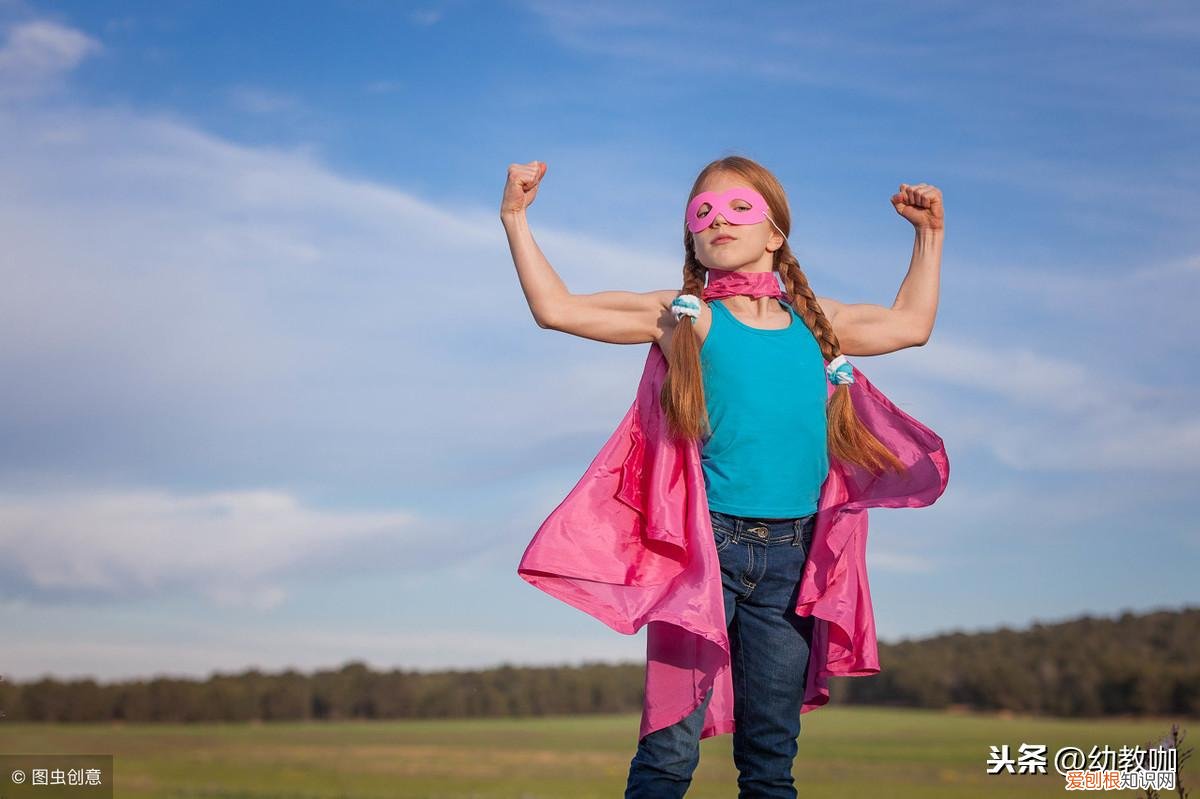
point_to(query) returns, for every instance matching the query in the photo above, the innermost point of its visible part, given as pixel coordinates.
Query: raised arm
(867, 329)
(616, 317)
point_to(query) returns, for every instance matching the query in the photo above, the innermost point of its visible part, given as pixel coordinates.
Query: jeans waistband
(797, 530)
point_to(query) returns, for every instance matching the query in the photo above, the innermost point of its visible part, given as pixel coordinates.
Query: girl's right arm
(617, 317)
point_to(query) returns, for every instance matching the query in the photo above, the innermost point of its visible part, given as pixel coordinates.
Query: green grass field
(844, 752)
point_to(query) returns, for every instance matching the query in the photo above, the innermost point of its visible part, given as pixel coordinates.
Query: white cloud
(257, 100)
(1108, 307)
(229, 546)
(166, 284)
(1043, 410)
(643, 37)
(36, 55)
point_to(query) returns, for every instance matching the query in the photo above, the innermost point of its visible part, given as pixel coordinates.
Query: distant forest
(1146, 664)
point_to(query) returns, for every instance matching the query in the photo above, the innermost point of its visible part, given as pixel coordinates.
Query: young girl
(757, 378)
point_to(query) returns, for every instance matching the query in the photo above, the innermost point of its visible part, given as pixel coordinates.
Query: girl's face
(727, 246)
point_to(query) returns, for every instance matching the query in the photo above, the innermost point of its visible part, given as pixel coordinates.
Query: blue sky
(272, 397)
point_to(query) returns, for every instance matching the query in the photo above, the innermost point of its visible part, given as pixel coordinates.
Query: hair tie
(839, 371)
(686, 305)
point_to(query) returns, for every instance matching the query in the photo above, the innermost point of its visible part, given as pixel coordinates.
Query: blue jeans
(761, 563)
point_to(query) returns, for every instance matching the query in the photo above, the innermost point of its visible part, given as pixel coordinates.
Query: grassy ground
(844, 752)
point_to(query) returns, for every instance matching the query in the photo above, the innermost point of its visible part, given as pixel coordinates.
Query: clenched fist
(522, 186)
(920, 204)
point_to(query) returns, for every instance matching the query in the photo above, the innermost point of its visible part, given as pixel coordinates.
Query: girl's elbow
(546, 319)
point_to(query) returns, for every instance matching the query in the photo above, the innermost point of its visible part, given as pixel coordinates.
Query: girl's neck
(761, 307)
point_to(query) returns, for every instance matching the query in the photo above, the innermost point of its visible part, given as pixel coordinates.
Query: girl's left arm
(867, 329)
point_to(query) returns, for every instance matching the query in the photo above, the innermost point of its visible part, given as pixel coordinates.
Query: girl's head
(760, 245)
(757, 220)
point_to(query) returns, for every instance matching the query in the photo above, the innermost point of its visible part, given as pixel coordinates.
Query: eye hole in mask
(739, 206)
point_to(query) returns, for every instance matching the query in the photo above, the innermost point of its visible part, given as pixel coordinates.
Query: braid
(682, 395)
(848, 438)
(695, 275)
(805, 303)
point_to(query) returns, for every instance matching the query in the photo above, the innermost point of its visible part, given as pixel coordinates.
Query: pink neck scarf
(722, 283)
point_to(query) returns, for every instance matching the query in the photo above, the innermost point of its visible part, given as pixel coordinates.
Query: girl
(748, 365)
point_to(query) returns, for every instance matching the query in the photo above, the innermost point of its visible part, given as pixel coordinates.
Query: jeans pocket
(722, 535)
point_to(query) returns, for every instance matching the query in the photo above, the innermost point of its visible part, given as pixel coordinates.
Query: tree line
(1135, 664)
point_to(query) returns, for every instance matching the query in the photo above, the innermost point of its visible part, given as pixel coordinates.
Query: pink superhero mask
(731, 204)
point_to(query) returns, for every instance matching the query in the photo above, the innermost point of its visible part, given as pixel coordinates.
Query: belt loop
(737, 529)
(797, 532)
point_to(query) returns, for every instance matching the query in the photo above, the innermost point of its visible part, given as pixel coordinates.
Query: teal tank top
(765, 390)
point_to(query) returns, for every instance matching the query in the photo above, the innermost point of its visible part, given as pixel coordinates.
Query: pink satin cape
(632, 545)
